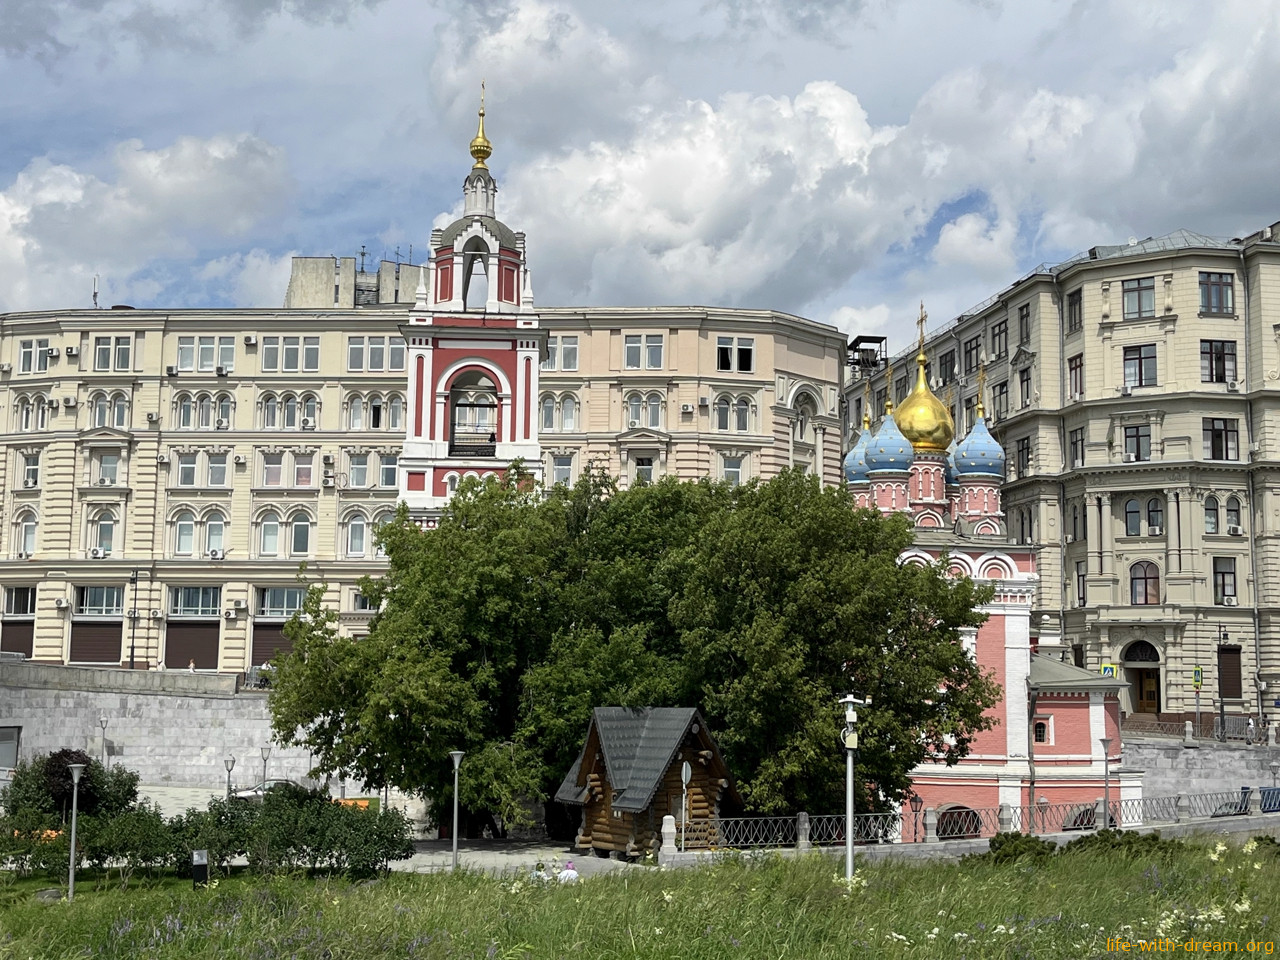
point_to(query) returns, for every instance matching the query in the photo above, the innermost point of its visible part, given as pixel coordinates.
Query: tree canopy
(763, 604)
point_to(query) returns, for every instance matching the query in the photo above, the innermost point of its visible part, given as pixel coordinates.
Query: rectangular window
(724, 354)
(1075, 311)
(302, 469)
(746, 354)
(1137, 444)
(280, 601)
(1000, 400)
(31, 469)
(1217, 361)
(733, 470)
(227, 353)
(187, 469)
(1082, 573)
(644, 469)
(1221, 439)
(289, 354)
(20, 601)
(272, 469)
(387, 471)
(360, 603)
(653, 351)
(108, 467)
(1139, 298)
(901, 389)
(26, 356)
(395, 353)
(882, 395)
(100, 601)
(217, 469)
(1216, 295)
(569, 353)
(1075, 376)
(1024, 323)
(377, 353)
(186, 353)
(195, 601)
(1076, 445)
(122, 353)
(1000, 340)
(1140, 366)
(206, 354)
(1024, 388)
(562, 470)
(970, 414)
(359, 469)
(947, 367)
(355, 354)
(631, 351)
(1024, 456)
(553, 346)
(101, 353)
(311, 354)
(972, 350)
(10, 737)
(269, 355)
(1224, 578)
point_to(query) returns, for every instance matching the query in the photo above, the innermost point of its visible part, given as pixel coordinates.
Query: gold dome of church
(922, 417)
(481, 148)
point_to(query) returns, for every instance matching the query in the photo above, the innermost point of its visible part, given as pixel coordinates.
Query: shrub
(1127, 843)
(133, 839)
(44, 786)
(223, 830)
(1007, 847)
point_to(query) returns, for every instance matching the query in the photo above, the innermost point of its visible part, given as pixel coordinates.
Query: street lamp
(456, 757)
(102, 722)
(76, 770)
(917, 803)
(266, 752)
(1044, 813)
(230, 762)
(850, 739)
(1106, 782)
(1033, 697)
(1275, 769)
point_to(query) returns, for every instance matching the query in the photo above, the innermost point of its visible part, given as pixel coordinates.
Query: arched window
(186, 412)
(375, 413)
(722, 413)
(653, 408)
(290, 412)
(1155, 514)
(806, 410)
(204, 412)
(1210, 514)
(395, 413)
(184, 534)
(104, 531)
(356, 413)
(1042, 732)
(1233, 512)
(634, 403)
(299, 534)
(42, 413)
(356, 535)
(741, 414)
(569, 413)
(215, 532)
(451, 483)
(224, 408)
(1132, 518)
(24, 414)
(1141, 651)
(378, 522)
(1144, 583)
(27, 533)
(101, 410)
(270, 540)
(120, 411)
(548, 413)
(270, 412)
(309, 408)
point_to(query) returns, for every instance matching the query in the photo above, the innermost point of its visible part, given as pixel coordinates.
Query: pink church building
(1052, 759)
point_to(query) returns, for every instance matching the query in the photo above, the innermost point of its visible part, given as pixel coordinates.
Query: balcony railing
(472, 443)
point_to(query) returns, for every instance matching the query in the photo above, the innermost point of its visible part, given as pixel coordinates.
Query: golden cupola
(922, 417)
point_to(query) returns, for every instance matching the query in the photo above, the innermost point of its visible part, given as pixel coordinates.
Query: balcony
(472, 442)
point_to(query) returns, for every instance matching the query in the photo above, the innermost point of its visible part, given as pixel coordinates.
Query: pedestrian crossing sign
(1109, 670)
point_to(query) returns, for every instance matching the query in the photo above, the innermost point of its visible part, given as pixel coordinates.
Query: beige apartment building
(1135, 390)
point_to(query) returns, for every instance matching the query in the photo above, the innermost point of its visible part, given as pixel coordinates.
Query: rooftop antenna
(95, 291)
(397, 253)
(362, 256)
(411, 253)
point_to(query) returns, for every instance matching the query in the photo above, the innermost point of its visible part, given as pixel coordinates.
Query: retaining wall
(1171, 768)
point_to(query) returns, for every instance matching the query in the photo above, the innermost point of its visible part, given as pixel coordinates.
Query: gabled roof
(638, 745)
(1058, 677)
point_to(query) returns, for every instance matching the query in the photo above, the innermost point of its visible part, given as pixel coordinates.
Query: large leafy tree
(499, 631)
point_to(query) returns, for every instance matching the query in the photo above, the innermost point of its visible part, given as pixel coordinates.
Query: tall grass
(1063, 906)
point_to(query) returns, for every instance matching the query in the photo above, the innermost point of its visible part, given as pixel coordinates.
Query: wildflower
(932, 934)
(898, 937)
(1251, 846)
(1214, 857)
(668, 896)
(1241, 907)
(335, 901)
(657, 931)
(1257, 865)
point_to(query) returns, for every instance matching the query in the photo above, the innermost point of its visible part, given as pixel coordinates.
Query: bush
(128, 841)
(43, 786)
(1127, 843)
(223, 830)
(1008, 847)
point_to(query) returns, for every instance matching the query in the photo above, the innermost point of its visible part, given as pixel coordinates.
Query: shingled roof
(638, 744)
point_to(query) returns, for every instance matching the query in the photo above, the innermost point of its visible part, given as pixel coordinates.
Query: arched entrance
(956, 822)
(473, 421)
(1142, 670)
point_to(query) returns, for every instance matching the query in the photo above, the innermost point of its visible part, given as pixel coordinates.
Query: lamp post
(102, 722)
(850, 739)
(133, 626)
(456, 757)
(230, 763)
(1275, 770)
(1222, 705)
(1106, 782)
(266, 752)
(76, 770)
(1044, 812)
(1033, 697)
(916, 804)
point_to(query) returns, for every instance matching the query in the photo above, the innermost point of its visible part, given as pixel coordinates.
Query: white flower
(668, 896)
(1213, 857)
(1241, 907)
(1251, 846)
(657, 931)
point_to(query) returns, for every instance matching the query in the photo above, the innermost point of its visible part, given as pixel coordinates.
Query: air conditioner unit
(250, 340)
(1126, 391)
(1130, 458)
(171, 371)
(72, 352)
(1230, 602)
(161, 458)
(19, 555)
(52, 352)
(327, 458)
(68, 401)
(133, 613)
(157, 614)
(105, 482)
(6, 367)
(704, 401)
(152, 417)
(326, 482)
(1070, 538)
(220, 371)
(308, 423)
(222, 423)
(1232, 386)
(228, 614)
(1234, 530)
(686, 408)
(238, 604)
(30, 484)
(61, 603)
(1155, 531)
(632, 424)
(1075, 397)
(217, 554)
(238, 458)
(97, 553)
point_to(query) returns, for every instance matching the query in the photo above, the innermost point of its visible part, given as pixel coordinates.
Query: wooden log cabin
(627, 778)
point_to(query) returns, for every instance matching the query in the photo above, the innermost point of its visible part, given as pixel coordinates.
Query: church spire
(481, 148)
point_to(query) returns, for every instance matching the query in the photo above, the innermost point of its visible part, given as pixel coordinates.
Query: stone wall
(1172, 768)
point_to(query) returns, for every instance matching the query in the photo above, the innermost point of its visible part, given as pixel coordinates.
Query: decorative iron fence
(756, 831)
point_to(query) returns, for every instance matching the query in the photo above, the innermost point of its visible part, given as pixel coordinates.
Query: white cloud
(872, 321)
(974, 242)
(253, 279)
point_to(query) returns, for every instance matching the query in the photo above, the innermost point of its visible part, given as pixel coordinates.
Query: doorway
(1146, 684)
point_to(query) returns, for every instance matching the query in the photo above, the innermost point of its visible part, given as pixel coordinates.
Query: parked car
(257, 791)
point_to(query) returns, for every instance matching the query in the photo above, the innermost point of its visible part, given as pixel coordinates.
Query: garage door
(17, 636)
(268, 640)
(187, 640)
(96, 642)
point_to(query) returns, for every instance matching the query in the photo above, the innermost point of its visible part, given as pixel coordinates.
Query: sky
(839, 159)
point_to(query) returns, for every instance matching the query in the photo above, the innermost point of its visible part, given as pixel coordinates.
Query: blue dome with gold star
(855, 461)
(978, 454)
(889, 450)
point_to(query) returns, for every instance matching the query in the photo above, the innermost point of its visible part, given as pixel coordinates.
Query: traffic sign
(1197, 677)
(686, 773)
(1109, 670)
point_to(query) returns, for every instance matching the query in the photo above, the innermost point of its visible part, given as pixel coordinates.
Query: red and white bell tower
(475, 347)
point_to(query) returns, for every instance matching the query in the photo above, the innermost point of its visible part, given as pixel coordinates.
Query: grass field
(1065, 906)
